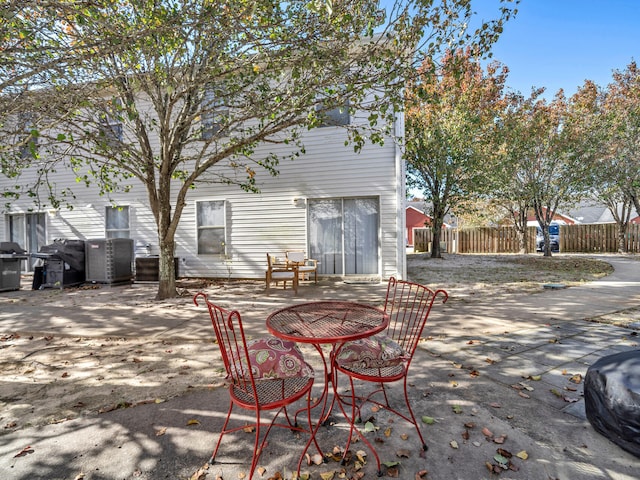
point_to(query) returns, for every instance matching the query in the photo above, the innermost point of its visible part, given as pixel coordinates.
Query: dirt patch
(469, 277)
(51, 378)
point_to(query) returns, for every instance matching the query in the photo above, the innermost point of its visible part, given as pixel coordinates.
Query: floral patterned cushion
(373, 352)
(272, 357)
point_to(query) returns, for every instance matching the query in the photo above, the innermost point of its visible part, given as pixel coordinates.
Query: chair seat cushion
(283, 275)
(272, 357)
(377, 351)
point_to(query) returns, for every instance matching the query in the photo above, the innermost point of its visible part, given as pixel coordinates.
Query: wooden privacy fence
(592, 238)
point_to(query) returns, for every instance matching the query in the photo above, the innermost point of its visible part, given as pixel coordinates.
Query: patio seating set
(292, 267)
(367, 346)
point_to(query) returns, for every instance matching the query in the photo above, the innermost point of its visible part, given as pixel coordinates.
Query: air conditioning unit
(109, 260)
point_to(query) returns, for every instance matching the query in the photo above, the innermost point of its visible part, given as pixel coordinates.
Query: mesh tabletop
(326, 322)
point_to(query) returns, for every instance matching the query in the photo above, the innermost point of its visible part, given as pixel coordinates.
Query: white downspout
(401, 198)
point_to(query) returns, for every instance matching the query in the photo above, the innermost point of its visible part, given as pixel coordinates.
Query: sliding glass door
(343, 235)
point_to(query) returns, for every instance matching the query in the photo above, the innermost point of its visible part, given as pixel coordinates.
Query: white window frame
(218, 247)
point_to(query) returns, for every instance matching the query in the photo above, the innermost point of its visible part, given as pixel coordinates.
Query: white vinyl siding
(254, 224)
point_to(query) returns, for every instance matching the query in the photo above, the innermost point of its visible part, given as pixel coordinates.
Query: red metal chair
(257, 381)
(386, 357)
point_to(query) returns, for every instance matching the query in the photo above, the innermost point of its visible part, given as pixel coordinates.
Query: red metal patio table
(326, 323)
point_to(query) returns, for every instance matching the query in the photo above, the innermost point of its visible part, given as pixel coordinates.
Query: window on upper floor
(117, 222)
(214, 113)
(334, 117)
(110, 125)
(29, 141)
(210, 218)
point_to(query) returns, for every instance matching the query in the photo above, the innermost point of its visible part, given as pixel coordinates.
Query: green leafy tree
(173, 93)
(512, 144)
(558, 164)
(618, 169)
(450, 117)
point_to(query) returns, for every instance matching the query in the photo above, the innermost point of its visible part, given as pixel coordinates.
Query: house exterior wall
(415, 219)
(255, 223)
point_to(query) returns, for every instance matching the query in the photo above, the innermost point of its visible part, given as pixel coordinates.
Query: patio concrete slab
(463, 377)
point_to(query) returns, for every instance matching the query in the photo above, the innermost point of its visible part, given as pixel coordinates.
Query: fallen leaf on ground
(193, 421)
(201, 473)
(393, 472)
(453, 444)
(316, 459)
(428, 420)
(26, 450)
(486, 432)
(403, 453)
(161, 432)
(577, 378)
(522, 455)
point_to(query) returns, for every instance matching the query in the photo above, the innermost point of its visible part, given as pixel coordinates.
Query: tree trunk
(167, 277)
(436, 228)
(166, 238)
(622, 237)
(522, 230)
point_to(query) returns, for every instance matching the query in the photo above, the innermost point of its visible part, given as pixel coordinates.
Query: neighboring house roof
(595, 213)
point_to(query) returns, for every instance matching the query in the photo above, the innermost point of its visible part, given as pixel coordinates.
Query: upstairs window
(29, 140)
(334, 117)
(110, 125)
(214, 113)
(211, 227)
(117, 222)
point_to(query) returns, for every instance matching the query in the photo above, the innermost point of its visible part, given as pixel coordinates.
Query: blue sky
(561, 43)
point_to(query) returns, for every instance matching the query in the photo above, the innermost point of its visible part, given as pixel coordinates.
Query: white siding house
(344, 208)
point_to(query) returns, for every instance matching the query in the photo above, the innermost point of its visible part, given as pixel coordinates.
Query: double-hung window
(214, 113)
(29, 141)
(110, 129)
(211, 227)
(117, 222)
